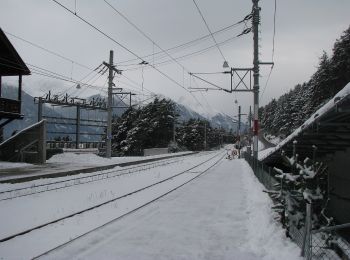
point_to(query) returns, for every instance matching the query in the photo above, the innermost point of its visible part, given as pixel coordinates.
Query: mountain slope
(30, 111)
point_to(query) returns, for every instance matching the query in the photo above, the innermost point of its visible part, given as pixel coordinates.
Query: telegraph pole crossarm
(112, 67)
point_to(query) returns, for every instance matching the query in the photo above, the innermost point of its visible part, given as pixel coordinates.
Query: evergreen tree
(340, 62)
(141, 128)
(282, 116)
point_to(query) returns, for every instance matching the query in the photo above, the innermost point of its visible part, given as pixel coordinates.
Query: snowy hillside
(30, 112)
(217, 121)
(282, 116)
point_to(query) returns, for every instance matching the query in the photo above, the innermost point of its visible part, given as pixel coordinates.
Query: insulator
(248, 17)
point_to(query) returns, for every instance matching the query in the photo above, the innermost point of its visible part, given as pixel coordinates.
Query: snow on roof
(21, 131)
(341, 95)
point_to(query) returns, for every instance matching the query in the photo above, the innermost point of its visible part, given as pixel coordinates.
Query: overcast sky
(304, 28)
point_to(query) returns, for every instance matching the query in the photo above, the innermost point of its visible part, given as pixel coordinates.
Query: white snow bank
(263, 153)
(261, 146)
(324, 109)
(23, 130)
(266, 238)
(10, 165)
(93, 159)
(273, 139)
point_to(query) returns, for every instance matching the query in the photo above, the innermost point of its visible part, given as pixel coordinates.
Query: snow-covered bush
(304, 182)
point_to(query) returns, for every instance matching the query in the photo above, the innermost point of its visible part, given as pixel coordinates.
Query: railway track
(195, 171)
(88, 178)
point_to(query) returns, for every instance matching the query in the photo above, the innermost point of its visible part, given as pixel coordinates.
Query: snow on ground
(88, 159)
(261, 146)
(10, 165)
(93, 159)
(86, 176)
(273, 139)
(25, 212)
(263, 153)
(70, 162)
(222, 215)
(266, 237)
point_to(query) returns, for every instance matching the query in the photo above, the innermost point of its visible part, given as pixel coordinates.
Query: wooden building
(11, 65)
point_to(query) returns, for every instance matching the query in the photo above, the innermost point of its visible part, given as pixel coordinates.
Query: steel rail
(77, 181)
(117, 198)
(128, 213)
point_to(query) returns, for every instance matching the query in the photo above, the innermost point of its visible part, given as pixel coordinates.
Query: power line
(48, 51)
(97, 29)
(208, 82)
(206, 24)
(188, 55)
(267, 81)
(189, 43)
(274, 31)
(125, 48)
(145, 35)
(136, 84)
(62, 57)
(273, 48)
(45, 72)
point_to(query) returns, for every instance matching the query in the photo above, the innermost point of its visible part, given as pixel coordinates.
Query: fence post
(306, 250)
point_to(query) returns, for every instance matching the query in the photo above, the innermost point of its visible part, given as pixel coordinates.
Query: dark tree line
(153, 125)
(145, 127)
(197, 134)
(284, 115)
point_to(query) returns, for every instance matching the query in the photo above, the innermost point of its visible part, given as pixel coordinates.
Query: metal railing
(72, 144)
(324, 243)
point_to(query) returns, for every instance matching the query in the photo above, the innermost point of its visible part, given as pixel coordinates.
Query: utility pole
(256, 21)
(250, 130)
(250, 120)
(205, 136)
(239, 131)
(77, 129)
(109, 107)
(174, 133)
(243, 86)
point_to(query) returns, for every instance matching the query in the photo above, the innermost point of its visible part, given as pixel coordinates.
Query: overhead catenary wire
(188, 55)
(75, 62)
(48, 51)
(198, 52)
(273, 48)
(125, 48)
(91, 81)
(45, 72)
(145, 35)
(81, 82)
(91, 70)
(184, 45)
(206, 24)
(118, 43)
(274, 30)
(208, 82)
(136, 84)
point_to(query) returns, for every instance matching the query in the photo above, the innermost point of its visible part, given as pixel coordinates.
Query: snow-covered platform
(70, 164)
(222, 215)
